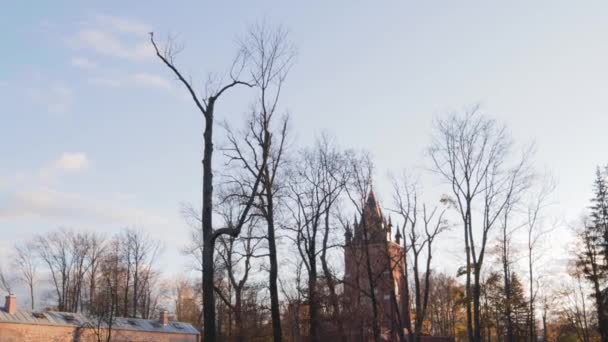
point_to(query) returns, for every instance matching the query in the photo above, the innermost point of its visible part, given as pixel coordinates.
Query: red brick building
(24, 325)
(372, 260)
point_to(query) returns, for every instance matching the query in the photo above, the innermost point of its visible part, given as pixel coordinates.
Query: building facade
(50, 326)
(373, 272)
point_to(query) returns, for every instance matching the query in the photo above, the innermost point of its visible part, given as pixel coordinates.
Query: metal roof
(80, 320)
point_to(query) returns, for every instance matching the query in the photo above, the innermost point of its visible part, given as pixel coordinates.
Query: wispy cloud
(34, 195)
(52, 204)
(84, 63)
(71, 161)
(68, 163)
(58, 98)
(142, 79)
(108, 44)
(123, 24)
(116, 37)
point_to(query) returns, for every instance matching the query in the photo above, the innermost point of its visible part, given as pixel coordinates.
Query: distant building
(371, 238)
(50, 326)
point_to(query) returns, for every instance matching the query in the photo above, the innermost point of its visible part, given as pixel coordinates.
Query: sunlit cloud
(71, 161)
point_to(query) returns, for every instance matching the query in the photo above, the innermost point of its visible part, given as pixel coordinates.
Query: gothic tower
(372, 261)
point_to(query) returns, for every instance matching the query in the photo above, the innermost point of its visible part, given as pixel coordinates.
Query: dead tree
(206, 106)
(474, 156)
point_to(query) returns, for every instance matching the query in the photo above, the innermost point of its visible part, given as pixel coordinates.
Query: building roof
(71, 319)
(377, 230)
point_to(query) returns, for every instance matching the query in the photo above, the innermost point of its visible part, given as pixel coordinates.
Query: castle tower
(369, 247)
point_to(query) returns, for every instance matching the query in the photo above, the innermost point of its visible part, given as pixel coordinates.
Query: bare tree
(419, 246)
(96, 255)
(358, 188)
(187, 303)
(54, 250)
(236, 259)
(142, 252)
(474, 155)
(575, 308)
(445, 305)
(104, 307)
(318, 179)
(535, 231)
(206, 105)
(505, 251)
(260, 149)
(6, 283)
(26, 264)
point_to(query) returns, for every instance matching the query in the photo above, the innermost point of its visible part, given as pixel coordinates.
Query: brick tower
(369, 248)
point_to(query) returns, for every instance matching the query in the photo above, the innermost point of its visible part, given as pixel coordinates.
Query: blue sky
(96, 134)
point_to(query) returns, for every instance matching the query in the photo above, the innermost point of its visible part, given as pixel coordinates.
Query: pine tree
(519, 309)
(593, 259)
(599, 213)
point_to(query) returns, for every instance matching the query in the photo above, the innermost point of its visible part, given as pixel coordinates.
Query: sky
(96, 134)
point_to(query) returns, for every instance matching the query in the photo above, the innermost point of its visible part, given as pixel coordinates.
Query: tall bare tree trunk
(207, 108)
(273, 275)
(333, 297)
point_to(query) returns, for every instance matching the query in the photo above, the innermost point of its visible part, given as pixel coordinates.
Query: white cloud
(66, 162)
(71, 161)
(107, 43)
(58, 98)
(51, 204)
(142, 79)
(150, 80)
(83, 63)
(116, 37)
(123, 25)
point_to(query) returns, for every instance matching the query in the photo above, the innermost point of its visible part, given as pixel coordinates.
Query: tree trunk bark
(207, 228)
(312, 297)
(274, 266)
(476, 305)
(333, 297)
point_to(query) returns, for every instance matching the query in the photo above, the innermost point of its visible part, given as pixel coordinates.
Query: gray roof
(81, 320)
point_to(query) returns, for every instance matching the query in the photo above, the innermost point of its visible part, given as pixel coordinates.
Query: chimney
(164, 317)
(10, 305)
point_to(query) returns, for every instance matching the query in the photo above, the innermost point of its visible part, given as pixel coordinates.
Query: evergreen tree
(495, 303)
(599, 213)
(593, 257)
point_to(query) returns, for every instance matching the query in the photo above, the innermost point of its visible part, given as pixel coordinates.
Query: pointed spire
(371, 206)
(348, 234)
(398, 237)
(371, 199)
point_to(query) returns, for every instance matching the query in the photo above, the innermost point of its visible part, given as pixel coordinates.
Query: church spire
(398, 237)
